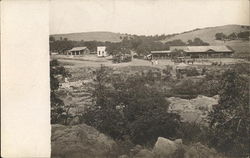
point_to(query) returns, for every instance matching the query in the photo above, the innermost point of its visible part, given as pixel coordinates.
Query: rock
(144, 153)
(136, 149)
(193, 110)
(80, 141)
(165, 148)
(178, 141)
(123, 156)
(75, 121)
(198, 150)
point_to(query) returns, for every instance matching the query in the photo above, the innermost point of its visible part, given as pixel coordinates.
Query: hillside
(241, 48)
(208, 34)
(91, 36)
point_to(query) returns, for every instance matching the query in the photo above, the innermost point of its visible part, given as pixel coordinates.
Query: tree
(197, 42)
(220, 36)
(232, 36)
(244, 35)
(177, 42)
(52, 39)
(127, 106)
(57, 105)
(230, 119)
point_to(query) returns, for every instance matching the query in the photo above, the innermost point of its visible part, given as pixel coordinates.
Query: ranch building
(78, 51)
(203, 51)
(101, 51)
(163, 54)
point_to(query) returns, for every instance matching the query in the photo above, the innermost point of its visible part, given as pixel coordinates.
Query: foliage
(192, 132)
(121, 58)
(192, 72)
(177, 42)
(244, 35)
(58, 110)
(232, 36)
(220, 36)
(187, 87)
(197, 42)
(126, 106)
(230, 119)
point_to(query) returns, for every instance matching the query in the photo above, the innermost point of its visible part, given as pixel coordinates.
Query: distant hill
(208, 34)
(92, 36)
(241, 48)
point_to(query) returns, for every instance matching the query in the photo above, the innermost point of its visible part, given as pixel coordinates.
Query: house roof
(160, 51)
(208, 48)
(194, 49)
(77, 49)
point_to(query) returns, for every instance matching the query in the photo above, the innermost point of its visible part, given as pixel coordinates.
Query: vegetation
(142, 45)
(230, 119)
(58, 109)
(244, 35)
(126, 107)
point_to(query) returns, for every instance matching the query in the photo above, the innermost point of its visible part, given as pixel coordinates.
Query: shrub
(230, 119)
(125, 106)
(192, 72)
(59, 113)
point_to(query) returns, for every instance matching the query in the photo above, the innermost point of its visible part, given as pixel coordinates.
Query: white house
(101, 51)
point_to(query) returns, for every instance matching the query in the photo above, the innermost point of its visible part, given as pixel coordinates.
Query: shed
(78, 51)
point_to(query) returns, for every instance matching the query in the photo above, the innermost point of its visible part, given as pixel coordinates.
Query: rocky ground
(193, 110)
(83, 141)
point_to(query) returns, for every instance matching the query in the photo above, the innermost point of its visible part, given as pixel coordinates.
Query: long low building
(161, 54)
(193, 52)
(78, 51)
(203, 51)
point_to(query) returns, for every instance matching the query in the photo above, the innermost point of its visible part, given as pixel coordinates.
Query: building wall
(80, 52)
(209, 55)
(101, 51)
(161, 56)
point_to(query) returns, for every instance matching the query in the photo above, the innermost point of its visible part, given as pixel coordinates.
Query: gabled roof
(77, 49)
(197, 49)
(207, 48)
(160, 51)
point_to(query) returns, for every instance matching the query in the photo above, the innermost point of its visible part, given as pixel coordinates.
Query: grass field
(93, 61)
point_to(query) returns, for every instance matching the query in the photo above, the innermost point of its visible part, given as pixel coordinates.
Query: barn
(77, 51)
(203, 51)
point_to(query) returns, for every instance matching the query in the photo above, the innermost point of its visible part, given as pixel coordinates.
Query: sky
(145, 17)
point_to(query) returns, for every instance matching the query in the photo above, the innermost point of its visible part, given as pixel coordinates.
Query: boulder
(144, 153)
(136, 149)
(165, 148)
(123, 156)
(80, 141)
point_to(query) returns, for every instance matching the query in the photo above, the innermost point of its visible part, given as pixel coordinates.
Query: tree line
(142, 45)
(233, 36)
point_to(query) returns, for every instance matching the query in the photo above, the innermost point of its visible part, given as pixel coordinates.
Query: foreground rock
(193, 110)
(144, 153)
(80, 141)
(165, 148)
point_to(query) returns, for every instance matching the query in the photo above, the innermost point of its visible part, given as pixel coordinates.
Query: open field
(93, 61)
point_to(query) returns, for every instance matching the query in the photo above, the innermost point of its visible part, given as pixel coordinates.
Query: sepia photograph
(149, 79)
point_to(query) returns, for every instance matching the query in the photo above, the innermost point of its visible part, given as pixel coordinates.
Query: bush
(59, 114)
(192, 72)
(230, 119)
(127, 107)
